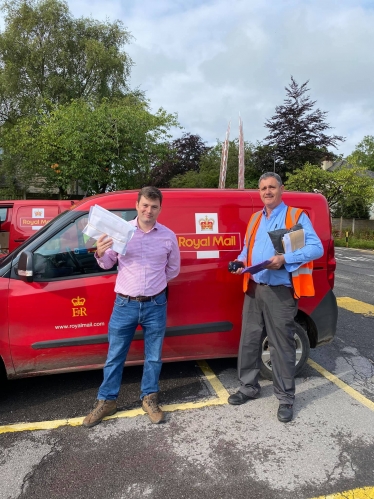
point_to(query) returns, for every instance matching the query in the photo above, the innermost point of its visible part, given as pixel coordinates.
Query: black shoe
(285, 413)
(239, 398)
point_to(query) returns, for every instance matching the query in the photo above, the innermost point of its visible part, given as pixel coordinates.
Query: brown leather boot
(103, 408)
(150, 406)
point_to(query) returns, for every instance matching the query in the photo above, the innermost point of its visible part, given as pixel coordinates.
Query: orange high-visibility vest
(302, 279)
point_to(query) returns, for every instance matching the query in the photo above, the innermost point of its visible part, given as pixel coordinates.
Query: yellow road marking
(217, 386)
(363, 493)
(356, 306)
(338, 382)
(222, 394)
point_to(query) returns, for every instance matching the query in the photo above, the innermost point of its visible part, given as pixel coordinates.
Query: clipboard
(253, 269)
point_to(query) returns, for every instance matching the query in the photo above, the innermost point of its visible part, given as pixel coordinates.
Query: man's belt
(141, 298)
(272, 285)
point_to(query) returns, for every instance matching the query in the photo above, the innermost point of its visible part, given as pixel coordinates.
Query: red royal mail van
(19, 219)
(56, 301)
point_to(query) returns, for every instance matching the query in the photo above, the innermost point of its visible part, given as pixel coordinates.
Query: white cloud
(208, 60)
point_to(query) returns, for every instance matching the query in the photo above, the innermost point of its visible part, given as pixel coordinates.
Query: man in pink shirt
(152, 259)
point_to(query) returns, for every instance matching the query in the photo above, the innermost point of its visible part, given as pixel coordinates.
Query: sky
(209, 60)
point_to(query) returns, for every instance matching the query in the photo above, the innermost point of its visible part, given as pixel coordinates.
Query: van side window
(4, 232)
(70, 253)
(3, 212)
(126, 214)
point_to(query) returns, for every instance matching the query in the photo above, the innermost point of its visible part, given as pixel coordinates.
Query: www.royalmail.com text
(77, 326)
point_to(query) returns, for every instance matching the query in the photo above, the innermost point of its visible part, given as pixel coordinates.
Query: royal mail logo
(206, 223)
(33, 223)
(37, 213)
(78, 309)
(78, 301)
(213, 242)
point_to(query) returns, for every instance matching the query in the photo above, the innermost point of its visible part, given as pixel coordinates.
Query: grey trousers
(268, 310)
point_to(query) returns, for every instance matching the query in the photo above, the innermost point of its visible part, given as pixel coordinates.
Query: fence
(6, 197)
(351, 225)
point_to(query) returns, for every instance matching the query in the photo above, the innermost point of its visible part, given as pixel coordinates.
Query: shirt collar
(276, 210)
(135, 222)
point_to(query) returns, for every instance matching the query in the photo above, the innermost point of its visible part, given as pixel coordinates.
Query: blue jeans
(126, 316)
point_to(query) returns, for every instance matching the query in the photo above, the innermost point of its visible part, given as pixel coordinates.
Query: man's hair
(150, 192)
(270, 174)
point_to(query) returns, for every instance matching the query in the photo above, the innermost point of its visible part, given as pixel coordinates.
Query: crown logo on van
(38, 213)
(206, 223)
(78, 302)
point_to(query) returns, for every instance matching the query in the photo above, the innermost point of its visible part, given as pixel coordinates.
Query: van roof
(36, 202)
(198, 192)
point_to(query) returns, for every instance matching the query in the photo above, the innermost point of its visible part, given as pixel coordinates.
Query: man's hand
(276, 262)
(240, 269)
(103, 243)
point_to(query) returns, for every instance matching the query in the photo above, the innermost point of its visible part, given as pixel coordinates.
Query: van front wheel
(3, 378)
(302, 353)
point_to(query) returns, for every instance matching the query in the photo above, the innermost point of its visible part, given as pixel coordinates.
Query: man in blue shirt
(269, 302)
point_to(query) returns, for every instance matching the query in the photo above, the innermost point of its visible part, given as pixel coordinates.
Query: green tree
(356, 208)
(264, 158)
(183, 155)
(347, 185)
(298, 132)
(363, 155)
(47, 57)
(105, 146)
(210, 162)
(59, 76)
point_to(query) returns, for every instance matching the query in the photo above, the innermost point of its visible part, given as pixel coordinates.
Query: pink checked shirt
(152, 259)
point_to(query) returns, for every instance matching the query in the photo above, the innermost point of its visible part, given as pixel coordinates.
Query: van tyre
(4, 384)
(302, 353)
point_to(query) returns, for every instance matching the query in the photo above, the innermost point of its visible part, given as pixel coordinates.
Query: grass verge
(354, 243)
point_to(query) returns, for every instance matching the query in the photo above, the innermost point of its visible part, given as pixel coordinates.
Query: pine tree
(298, 133)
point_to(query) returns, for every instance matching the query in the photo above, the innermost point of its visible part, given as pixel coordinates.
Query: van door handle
(20, 240)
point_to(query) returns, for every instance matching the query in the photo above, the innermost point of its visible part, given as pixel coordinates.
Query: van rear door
(29, 218)
(6, 210)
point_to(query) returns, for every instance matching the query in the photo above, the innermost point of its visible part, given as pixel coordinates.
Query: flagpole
(241, 155)
(224, 156)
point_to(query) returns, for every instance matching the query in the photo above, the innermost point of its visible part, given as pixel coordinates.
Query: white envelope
(102, 221)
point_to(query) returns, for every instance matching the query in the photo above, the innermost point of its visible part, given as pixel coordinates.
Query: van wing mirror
(25, 266)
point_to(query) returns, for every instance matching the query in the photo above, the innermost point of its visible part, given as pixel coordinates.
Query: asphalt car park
(206, 447)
